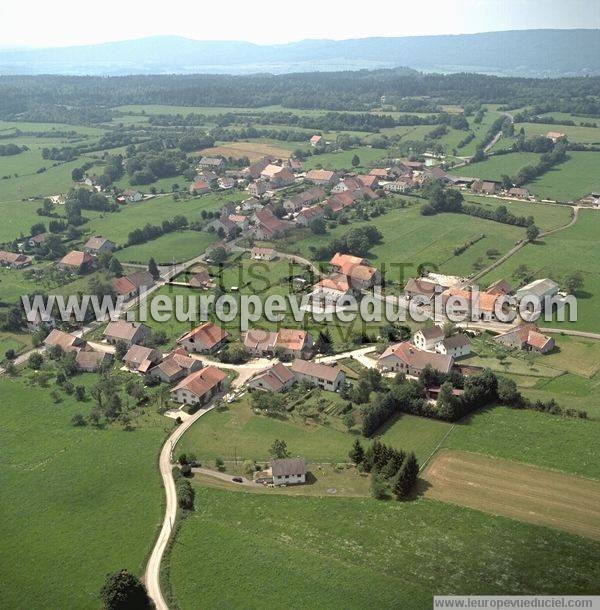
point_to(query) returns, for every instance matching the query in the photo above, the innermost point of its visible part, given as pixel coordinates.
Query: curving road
(152, 573)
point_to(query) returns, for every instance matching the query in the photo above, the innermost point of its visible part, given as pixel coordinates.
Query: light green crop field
(179, 246)
(77, 502)
(495, 167)
(368, 553)
(575, 134)
(577, 177)
(566, 444)
(575, 249)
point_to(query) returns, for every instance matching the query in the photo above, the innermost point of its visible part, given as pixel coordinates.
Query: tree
(279, 450)
(35, 361)
(357, 453)
(115, 267)
(573, 283)
(124, 591)
(153, 268)
(355, 161)
(407, 477)
(532, 232)
(508, 393)
(349, 420)
(378, 487)
(120, 350)
(318, 226)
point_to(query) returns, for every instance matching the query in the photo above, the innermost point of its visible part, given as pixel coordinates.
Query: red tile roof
(201, 382)
(208, 334)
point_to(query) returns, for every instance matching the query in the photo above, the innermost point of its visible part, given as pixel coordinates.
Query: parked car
(237, 480)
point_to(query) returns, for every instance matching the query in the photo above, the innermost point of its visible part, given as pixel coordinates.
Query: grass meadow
(495, 167)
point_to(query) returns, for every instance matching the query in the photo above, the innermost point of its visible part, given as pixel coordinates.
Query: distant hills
(512, 53)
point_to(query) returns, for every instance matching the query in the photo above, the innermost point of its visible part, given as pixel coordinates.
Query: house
(130, 286)
(66, 341)
(555, 136)
(399, 186)
(421, 287)
(409, 359)
(263, 254)
(456, 346)
(294, 165)
(141, 358)
(347, 184)
(226, 183)
(206, 338)
(285, 342)
(518, 192)
(306, 198)
(332, 288)
(538, 289)
(343, 261)
(369, 181)
(199, 387)
(206, 176)
(97, 245)
(277, 176)
(526, 336)
(428, 338)
(268, 226)
(276, 379)
(90, 361)
(320, 177)
(13, 260)
(308, 215)
(288, 471)
(462, 302)
(317, 141)
(325, 376)
(129, 333)
(76, 262)
(239, 220)
(336, 203)
(257, 188)
(201, 280)
(175, 366)
(436, 173)
(484, 187)
(132, 196)
(412, 165)
(499, 287)
(199, 187)
(380, 173)
(214, 163)
(255, 169)
(224, 227)
(37, 240)
(360, 276)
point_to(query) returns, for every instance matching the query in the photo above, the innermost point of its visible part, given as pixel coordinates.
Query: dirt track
(519, 491)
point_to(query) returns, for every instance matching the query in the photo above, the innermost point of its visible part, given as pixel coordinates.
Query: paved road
(152, 573)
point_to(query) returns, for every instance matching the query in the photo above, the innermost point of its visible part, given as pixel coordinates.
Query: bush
(185, 494)
(78, 420)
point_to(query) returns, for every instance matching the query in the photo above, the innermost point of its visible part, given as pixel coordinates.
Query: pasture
(497, 166)
(575, 133)
(335, 546)
(77, 501)
(526, 493)
(343, 159)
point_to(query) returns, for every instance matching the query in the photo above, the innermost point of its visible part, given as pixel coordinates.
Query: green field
(577, 177)
(496, 166)
(77, 502)
(343, 159)
(179, 246)
(575, 134)
(364, 552)
(575, 249)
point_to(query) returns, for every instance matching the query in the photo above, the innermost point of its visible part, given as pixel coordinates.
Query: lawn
(577, 177)
(172, 247)
(366, 553)
(496, 166)
(343, 159)
(77, 502)
(548, 441)
(575, 249)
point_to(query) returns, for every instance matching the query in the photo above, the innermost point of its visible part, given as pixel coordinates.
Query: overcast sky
(70, 22)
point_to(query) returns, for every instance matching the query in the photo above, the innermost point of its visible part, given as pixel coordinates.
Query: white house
(456, 346)
(289, 471)
(327, 377)
(428, 338)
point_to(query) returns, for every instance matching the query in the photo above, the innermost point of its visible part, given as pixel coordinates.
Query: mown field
(574, 133)
(77, 502)
(575, 249)
(343, 159)
(497, 166)
(387, 554)
(252, 150)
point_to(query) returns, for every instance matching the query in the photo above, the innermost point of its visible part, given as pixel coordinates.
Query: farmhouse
(76, 262)
(286, 342)
(255, 169)
(268, 226)
(199, 187)
(239, 220)
(257, 188)
(226, 183)
(555, 136)
(370, 181)
(15, 261)
(317, 141)
(126, 332)
(484, 187)
(201, 280)
(409, 359)
(130, 286)
(538, 289)
(463, 302)
(308, 215)
(90, 361)
(140, 358)
(399, 186)
(359, 275)
(37, 240)
(380, 173)
(421, 287)
(277, 176)
(333, 287)
(132, 196)
(175, 366)
(518, 192)
(97, 245)
(456, 346)
(206, 338)
(214, 163)
(499, 287)
(320, 177)
(288, 471)
(324, 376)
(527, 337)
(339, 201)
(199, 387)
(262, 254)
(66, 341)
(276, 379)
(428, 338)
(301, 200)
